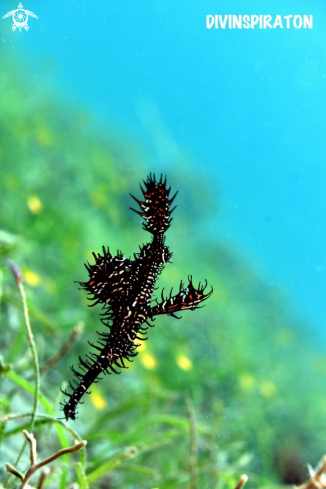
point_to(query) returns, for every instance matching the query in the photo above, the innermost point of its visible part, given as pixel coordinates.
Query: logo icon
(20, 18)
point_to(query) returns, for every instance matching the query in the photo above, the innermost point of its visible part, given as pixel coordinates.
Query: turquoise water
(248, 106)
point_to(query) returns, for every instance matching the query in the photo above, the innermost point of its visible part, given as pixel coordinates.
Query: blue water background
(248, 106)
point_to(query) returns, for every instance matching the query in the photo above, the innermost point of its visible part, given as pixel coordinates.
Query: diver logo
(20, 18)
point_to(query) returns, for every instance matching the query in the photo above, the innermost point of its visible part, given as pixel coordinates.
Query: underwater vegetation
(237, 388)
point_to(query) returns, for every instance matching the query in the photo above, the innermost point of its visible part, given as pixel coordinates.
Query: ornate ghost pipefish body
(125, 287)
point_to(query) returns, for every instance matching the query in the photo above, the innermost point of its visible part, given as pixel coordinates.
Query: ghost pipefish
(124, 288)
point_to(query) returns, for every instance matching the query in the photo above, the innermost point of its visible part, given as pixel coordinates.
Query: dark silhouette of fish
(125, 287)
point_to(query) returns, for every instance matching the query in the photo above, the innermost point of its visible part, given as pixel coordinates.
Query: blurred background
(93, 98)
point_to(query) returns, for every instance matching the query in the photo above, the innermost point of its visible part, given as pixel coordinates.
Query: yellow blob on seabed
(184, 362)
(246, 381)
(32, 278)
(97, 398)
(268, 388)
(34, 204)
(148, 361)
